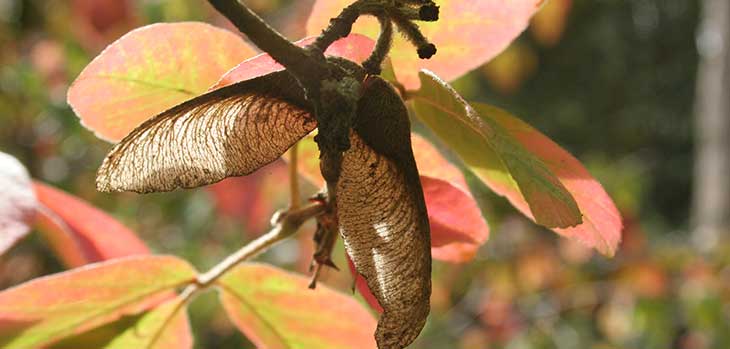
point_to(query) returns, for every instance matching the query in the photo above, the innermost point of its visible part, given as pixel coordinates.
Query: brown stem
(287, 224)
(296, 59)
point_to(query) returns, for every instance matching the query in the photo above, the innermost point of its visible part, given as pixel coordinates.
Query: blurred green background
(611, 81)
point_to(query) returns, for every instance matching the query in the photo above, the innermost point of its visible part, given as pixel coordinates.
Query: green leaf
(493, 154)
(275, 309)
(47, 309)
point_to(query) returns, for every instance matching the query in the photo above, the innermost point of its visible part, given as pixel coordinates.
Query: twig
(373, 64)
(288, 224)
(296, 59)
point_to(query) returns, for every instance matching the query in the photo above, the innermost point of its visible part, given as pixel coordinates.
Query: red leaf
(81, 233)
(467, 35)
(457, 226)
(355, 47)
(17, 202)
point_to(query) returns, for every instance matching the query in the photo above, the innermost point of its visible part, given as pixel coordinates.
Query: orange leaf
(275, 309)
(467, 35)
(81, 233)
(17, 202)
(47, 309)
(355, 47)
(149, 70)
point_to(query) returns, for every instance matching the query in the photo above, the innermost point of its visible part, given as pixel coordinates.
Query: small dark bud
(426, 51)
(429, 13)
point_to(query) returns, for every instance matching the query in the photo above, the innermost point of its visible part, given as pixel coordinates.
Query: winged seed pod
(237, 129)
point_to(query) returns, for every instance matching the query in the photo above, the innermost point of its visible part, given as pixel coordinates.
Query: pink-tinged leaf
(47, 309)
(275, 309)
(467, 34)
(17, 202)
(457, 226)
(149, 70)
(355, 47)
(601, 227)
(431, 163)
(80, 233)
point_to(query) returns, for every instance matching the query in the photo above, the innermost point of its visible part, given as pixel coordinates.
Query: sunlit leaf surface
(57, 306)
(275, 309)
(164, 327)
(149, 70)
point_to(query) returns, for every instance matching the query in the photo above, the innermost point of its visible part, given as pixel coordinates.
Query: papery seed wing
(231, 131)
(382, 215)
